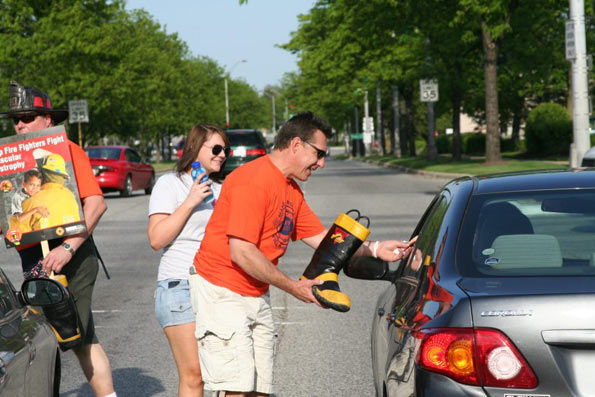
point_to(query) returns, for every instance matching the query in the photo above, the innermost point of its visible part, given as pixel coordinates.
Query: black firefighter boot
(64, 318)
(335, 250)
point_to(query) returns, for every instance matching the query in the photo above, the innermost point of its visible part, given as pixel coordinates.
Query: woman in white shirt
(178, 217)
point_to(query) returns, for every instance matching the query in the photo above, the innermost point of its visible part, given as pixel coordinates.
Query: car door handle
(569, 337)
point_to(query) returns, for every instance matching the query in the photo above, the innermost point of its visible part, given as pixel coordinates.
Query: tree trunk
(490, 51)
(395, 142)
(516, 120)
(408, 114)
(157, 144)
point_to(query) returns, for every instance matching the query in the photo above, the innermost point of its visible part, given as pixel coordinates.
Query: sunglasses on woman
(216, 149)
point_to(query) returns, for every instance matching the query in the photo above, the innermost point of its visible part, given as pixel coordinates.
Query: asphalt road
(319, 352)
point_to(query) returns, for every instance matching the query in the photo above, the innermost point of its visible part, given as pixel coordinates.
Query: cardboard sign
(39, 197)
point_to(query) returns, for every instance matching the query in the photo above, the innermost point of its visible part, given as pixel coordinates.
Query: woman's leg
(185, 349)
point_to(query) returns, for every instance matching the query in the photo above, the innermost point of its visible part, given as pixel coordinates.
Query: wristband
(375, 249)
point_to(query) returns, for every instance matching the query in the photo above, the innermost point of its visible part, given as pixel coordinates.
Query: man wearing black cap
(74, 256)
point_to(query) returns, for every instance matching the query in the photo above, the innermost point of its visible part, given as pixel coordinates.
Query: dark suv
(246, 145)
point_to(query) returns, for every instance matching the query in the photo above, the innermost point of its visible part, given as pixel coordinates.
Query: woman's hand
(393, 250)
(199, 191)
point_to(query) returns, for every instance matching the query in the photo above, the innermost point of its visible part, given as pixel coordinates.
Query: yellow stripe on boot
(329, 293)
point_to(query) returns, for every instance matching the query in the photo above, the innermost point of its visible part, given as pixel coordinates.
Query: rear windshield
(244, 139)
(103, 153)
(530, 233)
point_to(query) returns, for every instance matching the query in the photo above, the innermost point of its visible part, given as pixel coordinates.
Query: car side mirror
(368, 268)
(42, 292)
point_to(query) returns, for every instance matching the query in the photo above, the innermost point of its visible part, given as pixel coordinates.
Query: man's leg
(81, 273)
(263, 337)
(96, 368)
(224, 335)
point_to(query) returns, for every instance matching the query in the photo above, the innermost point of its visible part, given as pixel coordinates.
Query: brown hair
(302, 125)
(197, 136)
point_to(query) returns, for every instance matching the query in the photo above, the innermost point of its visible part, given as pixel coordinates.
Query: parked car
(246, 145)
(497, 297)
(29, 353)
(121, 168)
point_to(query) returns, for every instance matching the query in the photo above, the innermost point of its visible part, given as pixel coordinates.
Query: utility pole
(576, 52)
(379, 133)
(286, 114)
(271, 93)
(368, 135)
(226, 91)
(274, 115)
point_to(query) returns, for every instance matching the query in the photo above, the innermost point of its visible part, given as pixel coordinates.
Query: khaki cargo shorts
(236, 338)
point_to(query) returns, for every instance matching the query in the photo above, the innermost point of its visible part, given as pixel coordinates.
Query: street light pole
(226, 91)
(580, 85)
(274, 116)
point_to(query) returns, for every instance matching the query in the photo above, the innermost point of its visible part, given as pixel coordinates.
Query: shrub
(444, 143)
(548, 130)
(474, 144)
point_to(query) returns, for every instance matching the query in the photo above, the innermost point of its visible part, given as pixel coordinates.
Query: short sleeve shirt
(168, 194)
(260, 205)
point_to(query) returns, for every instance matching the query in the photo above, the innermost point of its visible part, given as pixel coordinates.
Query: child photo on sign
(39, 193)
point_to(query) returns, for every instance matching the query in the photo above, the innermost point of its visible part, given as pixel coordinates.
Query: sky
(228, 33)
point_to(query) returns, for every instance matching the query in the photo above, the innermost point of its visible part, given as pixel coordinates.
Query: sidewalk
(337, 150)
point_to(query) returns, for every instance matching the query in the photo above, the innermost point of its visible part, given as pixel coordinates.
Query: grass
(165, 166)
(511, 162)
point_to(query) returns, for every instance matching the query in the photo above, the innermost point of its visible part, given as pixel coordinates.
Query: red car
(120, 168)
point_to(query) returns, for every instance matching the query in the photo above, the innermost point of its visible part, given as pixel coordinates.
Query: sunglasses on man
(26, 118)
(216, 149)
(320, 154)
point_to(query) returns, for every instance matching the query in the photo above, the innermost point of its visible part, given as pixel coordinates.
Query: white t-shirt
(168, 194)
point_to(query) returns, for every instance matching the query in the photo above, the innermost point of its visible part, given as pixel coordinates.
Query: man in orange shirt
(74, 256)
(260, 209)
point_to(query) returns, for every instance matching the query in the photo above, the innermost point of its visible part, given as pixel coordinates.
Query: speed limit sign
(428, 90)
(78, 111)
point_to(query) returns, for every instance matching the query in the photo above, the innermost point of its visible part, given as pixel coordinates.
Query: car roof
(109, 147)
(242, 131)
(580, 178)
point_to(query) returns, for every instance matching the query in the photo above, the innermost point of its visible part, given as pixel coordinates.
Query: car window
(245, 139)
(529, 233)
(8, 302)
(428, 248)
(103, 153)
(132, 156)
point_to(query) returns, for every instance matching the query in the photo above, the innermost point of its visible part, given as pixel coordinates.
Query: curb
(412, 171)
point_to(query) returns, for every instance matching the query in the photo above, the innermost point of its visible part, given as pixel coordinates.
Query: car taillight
(98, 169)
(481, 357)
(256, 152)
(501, 364)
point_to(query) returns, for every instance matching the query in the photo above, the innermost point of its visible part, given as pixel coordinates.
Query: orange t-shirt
(85, 179)
(259, 205)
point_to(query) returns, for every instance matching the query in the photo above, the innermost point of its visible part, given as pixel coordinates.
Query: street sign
(428, 90)
(368, 124)
(78, 111)
(570, 47)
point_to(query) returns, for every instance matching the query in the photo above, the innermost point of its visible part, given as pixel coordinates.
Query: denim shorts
(172, 303)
